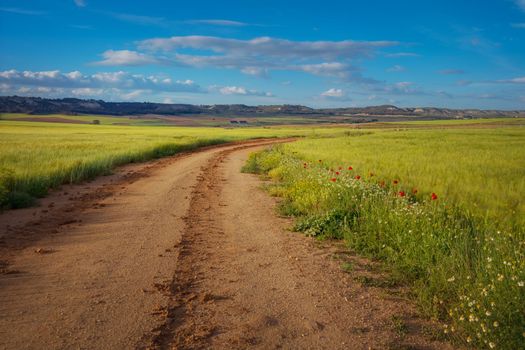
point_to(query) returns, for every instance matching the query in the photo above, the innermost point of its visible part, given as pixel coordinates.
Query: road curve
(184, 253)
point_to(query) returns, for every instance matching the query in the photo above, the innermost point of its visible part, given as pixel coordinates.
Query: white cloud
(268, 46)
(186, 82)
(519, 80)
(110, 78)
(518, 25)
(88, 84)
(218, 22)
(257, 57)
(403, 85)
(331, 69)
(133, 94)
(87, 92)
(402, 54)
(140, 19)
(74, 75)
(23, 90)
(80, 3)
(165, 23)
(403, 88)
(110, 94)
(333, 92)
(5, 88)
(239, 90)
(399, 88)
(256, 71)
(521, 4)
(125, 58)
(396, 68)
(233, 90)
(20, 11)
(262, 68)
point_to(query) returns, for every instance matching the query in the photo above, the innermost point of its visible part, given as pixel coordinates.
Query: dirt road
(186, 252)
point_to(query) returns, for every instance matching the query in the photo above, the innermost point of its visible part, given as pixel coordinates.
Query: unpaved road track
(184, 253)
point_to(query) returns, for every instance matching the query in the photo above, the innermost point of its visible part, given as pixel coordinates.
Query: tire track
(243, 281)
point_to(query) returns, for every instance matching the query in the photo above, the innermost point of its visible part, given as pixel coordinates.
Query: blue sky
(457, 54)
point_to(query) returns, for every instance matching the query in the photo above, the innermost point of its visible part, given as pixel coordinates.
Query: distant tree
(95, 122)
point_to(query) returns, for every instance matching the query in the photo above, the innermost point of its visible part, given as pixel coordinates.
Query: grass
(399, 325)
(347, 266)
(463, 252)
(35, 157)
(448, 123)
(461, 122)
(481, 169)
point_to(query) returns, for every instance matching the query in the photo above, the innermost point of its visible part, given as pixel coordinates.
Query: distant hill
(37, 105)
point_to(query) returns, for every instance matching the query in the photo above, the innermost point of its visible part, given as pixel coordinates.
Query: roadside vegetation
(442, 208)
(35, 157)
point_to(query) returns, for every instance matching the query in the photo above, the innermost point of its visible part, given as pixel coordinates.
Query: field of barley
(440, 203)
(442, 207)
(35, 157)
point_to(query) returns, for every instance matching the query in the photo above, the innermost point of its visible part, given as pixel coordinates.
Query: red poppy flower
(414, 190)
(340, 168)
(333, 179)
(433, 196)
(350, 168)
(358, 177)
(401, 194)
(337, 172)
(395, 182)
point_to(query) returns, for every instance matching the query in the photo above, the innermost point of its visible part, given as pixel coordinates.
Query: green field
(35, 157)
(173, 120)
(462, 249)
(88, 119)
(481, 169)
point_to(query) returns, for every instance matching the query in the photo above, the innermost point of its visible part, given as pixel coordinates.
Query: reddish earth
(188, 253)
